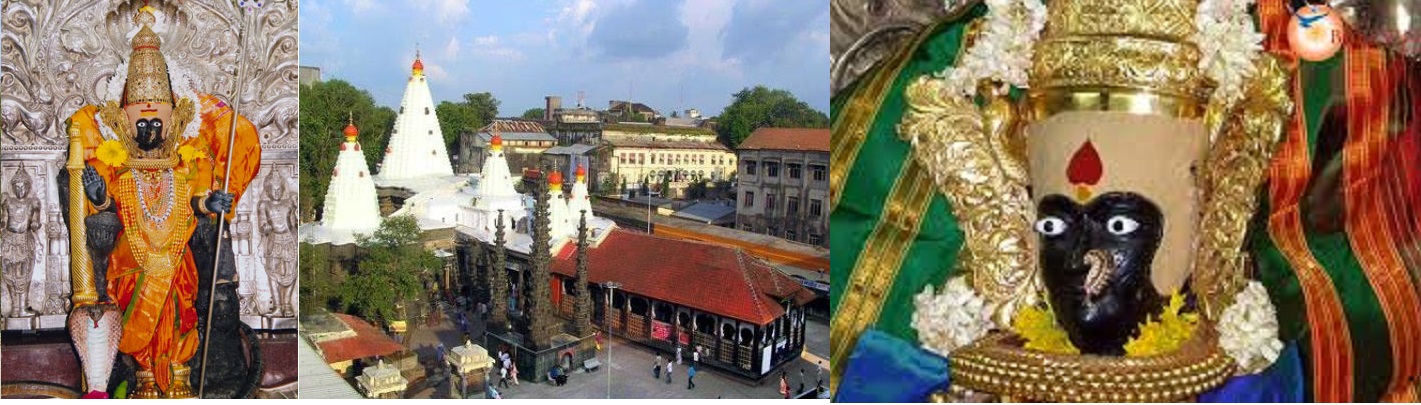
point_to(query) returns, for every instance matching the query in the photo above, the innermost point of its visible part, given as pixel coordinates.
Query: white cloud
(435, 71)
(361, 6)
(488, 40)
(451, 50)
(444, 11)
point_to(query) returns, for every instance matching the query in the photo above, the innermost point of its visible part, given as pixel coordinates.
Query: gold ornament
(1235, 168)
(148, 80)
(1119, 55)
(986, 184)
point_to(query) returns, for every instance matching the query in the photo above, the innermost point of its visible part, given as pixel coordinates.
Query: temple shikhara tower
(351, 204)
(416, 143)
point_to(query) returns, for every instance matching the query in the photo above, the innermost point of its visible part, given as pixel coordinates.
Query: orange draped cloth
(151, 274)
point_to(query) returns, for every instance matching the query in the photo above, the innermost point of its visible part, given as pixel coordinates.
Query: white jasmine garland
(1229, 42)
(1248, 330)
(1002, 51)
(950, 319)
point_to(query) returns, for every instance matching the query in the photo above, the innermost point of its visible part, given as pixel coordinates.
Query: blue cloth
(883, 368)
(1281, 382)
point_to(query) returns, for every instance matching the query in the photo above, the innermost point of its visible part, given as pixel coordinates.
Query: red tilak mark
(1085, 165)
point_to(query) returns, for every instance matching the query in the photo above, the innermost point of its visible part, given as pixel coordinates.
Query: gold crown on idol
(1131, 45)
(148, 82)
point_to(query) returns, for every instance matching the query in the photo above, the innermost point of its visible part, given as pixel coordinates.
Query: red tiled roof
(711, 278)
(368, 342)
(805, 139)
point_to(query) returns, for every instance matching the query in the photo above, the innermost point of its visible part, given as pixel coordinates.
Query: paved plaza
(630, 370)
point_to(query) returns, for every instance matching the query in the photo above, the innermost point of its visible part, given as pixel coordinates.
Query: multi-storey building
(783, 184)
(658, 154)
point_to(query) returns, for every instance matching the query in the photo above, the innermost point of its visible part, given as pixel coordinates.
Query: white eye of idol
(1121, 225)
(158, 124)
(1051, 226)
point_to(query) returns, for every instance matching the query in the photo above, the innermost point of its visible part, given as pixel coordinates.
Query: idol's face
(150, 123)
(1095, 261)
(22, 188)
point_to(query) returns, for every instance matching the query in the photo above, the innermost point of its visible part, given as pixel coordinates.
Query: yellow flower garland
(1037, 325)
(1164, 335)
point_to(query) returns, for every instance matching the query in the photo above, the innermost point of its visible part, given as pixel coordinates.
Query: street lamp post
(607, 320)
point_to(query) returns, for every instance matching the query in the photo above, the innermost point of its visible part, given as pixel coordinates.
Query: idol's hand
(94, 187)
(219, 202)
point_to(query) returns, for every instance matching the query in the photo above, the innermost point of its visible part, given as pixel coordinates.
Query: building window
(773, 231)
(749, 167)
(792, 206)
(814, 239)
(814, 207)
(426, 110)
(817, 171)
(622, 158)
(789, 234)
(641, 158)
(794, 171)
(770, 202)
(749, 199)
(772, 169)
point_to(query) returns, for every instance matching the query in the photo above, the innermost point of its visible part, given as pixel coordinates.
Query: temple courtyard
(631, 374)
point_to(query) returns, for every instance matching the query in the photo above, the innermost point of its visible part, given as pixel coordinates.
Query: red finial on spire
(350, 131)
(555, 179)
(418, 65)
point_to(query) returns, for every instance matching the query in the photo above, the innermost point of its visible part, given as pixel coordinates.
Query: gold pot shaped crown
(1119, 55)
(148, 80)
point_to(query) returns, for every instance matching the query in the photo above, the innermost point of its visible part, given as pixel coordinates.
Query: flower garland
(1165, 334)
(1229, 42)
(1037, 326)
(951, 319)
(1002, 51)
(1248, 330)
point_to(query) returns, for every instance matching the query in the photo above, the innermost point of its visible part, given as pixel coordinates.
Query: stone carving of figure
(56, 273)
(277, 216)
(20, 215)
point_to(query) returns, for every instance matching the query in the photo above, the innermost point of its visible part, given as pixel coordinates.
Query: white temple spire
(351, 203)
(417, 144)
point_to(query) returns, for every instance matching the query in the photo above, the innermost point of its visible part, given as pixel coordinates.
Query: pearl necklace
(167, 199)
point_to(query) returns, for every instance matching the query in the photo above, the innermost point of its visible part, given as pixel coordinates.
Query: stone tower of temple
(351, 203)
(416, 146)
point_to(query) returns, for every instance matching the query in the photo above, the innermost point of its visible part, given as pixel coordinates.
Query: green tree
(390, 270)
(475, 111)
(325, 108)
(763, 107)
(534, 113)
(318, 287)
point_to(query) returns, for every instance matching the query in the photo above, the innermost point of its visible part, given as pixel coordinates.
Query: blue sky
(669, 54)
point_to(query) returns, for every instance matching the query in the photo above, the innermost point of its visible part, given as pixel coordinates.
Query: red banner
(660, 330)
